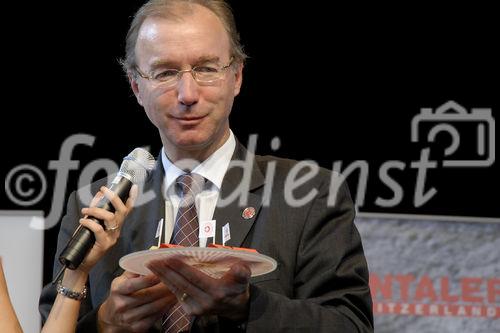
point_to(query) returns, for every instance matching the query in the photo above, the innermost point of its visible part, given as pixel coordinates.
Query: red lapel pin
(248, 213)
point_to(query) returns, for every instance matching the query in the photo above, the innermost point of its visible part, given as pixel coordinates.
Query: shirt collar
(213, 168)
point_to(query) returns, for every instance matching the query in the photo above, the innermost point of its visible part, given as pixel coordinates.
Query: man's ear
(135, 87)
(238, 79)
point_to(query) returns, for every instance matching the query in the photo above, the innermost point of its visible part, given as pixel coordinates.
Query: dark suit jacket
(321, 283)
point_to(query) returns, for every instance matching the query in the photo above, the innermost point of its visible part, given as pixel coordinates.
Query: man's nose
(187, 89)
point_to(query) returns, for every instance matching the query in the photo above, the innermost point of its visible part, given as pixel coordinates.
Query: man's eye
(166, 74)
(206, 69)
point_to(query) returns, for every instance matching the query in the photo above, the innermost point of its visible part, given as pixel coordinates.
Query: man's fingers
(158, 270)
(176, 282)
(151, 294)
(122, 278)
(153, 308)
(201, 294)
(194, 275)
(134, 284)
(239, 273)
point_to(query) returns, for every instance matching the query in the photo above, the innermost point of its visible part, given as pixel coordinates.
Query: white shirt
(213, 170)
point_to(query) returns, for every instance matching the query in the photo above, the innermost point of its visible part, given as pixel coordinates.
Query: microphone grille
(137, 165)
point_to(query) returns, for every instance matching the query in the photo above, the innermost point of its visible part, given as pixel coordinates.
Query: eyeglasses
(203, 75)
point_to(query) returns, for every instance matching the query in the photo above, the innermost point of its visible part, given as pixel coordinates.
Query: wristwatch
(78, 296)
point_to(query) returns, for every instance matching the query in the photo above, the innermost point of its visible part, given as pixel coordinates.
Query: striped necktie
(186, 234)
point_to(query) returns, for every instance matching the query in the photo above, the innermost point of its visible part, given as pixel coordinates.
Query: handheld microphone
(134, 169)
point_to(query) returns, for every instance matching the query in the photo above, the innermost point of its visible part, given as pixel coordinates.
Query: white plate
(212, 261)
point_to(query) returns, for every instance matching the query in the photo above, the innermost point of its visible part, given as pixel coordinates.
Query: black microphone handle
(82, 241)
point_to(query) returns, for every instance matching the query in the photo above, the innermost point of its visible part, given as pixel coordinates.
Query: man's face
(189, 116)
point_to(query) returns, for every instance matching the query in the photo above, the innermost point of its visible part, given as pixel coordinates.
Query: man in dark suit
(185, 63)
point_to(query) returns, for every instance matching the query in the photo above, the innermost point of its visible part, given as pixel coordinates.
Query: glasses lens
(168, 76)
(206, 74)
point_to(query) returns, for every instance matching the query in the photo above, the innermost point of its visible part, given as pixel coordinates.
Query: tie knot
(190, 183)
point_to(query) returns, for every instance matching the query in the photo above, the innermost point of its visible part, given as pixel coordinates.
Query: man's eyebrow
(162, 63)
(205, 59)
(171, 64)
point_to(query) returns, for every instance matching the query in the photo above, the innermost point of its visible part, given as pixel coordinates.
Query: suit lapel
(250, 176)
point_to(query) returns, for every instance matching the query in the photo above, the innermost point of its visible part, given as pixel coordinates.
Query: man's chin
(195, 142)
(192, 144)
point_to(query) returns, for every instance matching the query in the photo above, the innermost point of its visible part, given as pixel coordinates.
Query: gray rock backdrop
(436, 249)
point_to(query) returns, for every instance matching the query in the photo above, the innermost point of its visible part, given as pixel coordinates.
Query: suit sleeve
(87, 318)
(331, 291)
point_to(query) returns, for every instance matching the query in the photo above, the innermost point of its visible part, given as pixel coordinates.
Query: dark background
(333, 83)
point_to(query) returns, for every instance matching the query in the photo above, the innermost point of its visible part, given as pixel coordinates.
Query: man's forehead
(173, 41)
(149, 30)
(154, 29)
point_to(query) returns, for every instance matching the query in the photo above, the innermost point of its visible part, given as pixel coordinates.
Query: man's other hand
(134, 303)
(201, 294)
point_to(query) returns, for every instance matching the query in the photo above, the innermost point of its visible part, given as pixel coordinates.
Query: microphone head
(137, 165)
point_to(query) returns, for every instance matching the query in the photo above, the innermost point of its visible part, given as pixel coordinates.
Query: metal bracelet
(78, 296)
